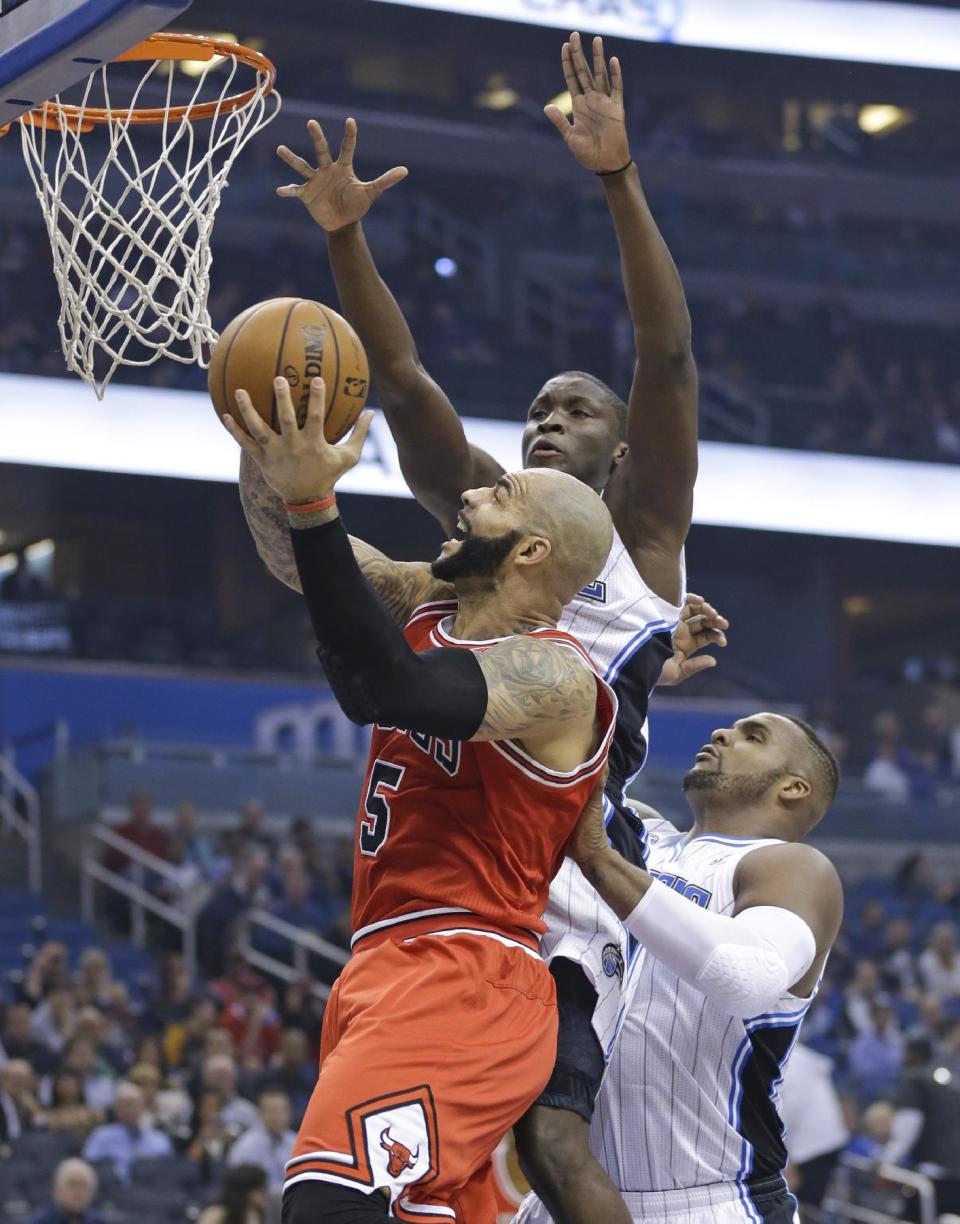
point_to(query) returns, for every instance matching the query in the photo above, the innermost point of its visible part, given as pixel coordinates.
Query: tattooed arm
(401, 585)
(542, 694)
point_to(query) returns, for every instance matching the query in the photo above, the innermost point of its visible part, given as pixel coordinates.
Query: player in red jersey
(491, 729)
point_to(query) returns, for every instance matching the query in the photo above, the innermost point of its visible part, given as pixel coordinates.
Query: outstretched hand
(700, 625)
(298, 464)
(597, 133)
(331, 193)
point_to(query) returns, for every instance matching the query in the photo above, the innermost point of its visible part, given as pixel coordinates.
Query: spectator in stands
(302, 1009)
(20, 1110)
(296, 907)
(183, 1042)
(244, 887)
(252, 1021)
(19, 1042)
(926, 1126)
(813, 1115)
(139, 829)
(129, 1138)
(874, 1057)
(210, 1137)
(292, 1071)
(220, 1075)
(252, 832)
(166, 1107)
(67, 1111)
(859, 996)
(94, 978)
(54, 1019)
(243, 1198)
(875, 1132)
(189, 848)
(173, 1001)
(99, 1086)
(939, 964)
(887, 774)
(867, 932)
(269, 1142)
(898, 967)
(48, 970)
(74, 1190)
(913, 880)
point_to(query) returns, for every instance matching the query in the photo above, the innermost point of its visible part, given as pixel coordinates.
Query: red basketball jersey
(465, 830)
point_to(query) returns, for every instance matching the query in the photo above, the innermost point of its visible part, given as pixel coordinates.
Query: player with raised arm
(737, 918)
(491, 728)
(643, 456)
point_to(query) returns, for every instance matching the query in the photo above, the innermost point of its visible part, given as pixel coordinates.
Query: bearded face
(744, 788)
(477, 557)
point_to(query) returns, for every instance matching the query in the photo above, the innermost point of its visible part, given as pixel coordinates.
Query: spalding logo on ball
(300, 340)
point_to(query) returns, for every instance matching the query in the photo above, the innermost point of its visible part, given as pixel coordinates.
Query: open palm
(331, 192)
(596, 134)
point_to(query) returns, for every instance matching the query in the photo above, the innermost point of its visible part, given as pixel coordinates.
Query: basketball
(300, 340)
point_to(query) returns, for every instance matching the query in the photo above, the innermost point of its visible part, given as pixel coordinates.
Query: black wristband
(610, 173)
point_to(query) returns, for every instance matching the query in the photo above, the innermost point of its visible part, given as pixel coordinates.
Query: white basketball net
(131, 236)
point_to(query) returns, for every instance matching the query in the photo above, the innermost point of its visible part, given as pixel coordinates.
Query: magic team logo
(596, 592)
(612, 960)
(693, 892)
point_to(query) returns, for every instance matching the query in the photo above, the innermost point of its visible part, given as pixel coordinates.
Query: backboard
(48, 45)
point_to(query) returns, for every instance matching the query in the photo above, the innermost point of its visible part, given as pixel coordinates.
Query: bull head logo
(400, 1156)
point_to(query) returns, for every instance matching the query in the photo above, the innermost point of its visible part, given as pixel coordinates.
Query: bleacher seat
(21, 903)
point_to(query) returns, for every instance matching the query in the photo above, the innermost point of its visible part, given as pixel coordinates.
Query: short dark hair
(609, 397)
(825, 766)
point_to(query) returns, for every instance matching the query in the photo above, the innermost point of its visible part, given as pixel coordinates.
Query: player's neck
(482, 615)
(746, 821)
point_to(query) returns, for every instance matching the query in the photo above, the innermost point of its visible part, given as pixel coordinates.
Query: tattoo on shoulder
(268, 523)
(532, 683)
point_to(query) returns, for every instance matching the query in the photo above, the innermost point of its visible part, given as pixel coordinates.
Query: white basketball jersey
(626, 629)
(690, 1097)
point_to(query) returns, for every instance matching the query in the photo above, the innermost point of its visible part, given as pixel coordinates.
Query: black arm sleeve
(375, 675)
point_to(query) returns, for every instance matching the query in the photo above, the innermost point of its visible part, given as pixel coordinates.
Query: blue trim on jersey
(726, 839)
(744, 1051)
(631, 648)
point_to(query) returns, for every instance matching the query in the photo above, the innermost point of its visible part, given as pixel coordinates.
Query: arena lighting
(445, 267)
(942, 1075)
(149, 431)
(867, 31)
(879, 119)
(498, 95)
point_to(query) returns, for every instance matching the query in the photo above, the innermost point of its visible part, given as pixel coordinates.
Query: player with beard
(737, 918)
(642, 455)
(491, 729)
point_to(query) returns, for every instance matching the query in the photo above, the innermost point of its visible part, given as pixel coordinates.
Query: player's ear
(533, 551)
(794, 790)
(619, 455)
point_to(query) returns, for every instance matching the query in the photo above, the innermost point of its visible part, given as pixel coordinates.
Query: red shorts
(433, 1046)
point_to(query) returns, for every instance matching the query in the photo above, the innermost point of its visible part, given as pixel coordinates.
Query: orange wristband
(310, 507)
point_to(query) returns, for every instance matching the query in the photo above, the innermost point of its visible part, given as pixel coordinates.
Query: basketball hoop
(131, 230)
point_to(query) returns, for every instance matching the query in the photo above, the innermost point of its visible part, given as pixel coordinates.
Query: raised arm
(527, 689)
(401, 585)
(788, 909)
(650, 494)
(436, 460)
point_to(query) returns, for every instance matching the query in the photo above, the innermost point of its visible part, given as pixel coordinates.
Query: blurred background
(177, 789)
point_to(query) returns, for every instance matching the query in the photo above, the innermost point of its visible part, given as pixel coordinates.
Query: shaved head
(574, 519)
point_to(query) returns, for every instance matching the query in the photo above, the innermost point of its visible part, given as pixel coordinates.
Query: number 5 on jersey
(375, 822)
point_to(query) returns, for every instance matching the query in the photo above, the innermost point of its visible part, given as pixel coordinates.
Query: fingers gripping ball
(299, 340)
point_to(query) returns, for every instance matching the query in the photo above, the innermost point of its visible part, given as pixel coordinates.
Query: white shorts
(721, 1204)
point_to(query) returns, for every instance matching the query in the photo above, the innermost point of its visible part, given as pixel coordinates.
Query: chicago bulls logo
(400, 1156)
